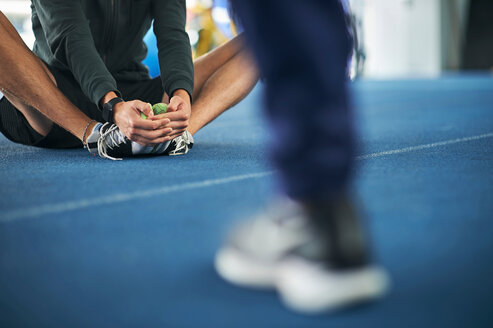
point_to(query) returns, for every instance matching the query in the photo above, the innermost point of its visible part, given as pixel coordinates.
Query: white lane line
(117, 198)
(425, 146)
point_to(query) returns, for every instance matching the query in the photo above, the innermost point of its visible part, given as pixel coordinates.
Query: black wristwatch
(108, 109)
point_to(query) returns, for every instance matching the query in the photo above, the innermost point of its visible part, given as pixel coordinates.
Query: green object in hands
(157, 109)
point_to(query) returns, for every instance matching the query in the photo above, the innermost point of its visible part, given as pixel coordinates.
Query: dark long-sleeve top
(101, 41)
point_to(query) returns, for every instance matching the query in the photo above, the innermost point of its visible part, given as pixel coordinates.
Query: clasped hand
(155, 129)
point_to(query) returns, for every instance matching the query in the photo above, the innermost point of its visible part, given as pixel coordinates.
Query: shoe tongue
(96, 128)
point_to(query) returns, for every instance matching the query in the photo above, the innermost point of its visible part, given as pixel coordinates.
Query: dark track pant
(302, 48)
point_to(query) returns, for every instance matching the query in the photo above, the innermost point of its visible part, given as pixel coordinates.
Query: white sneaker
(282, 249)
(108, 141)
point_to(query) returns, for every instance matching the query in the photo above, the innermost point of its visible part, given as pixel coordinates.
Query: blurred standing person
(310, 244)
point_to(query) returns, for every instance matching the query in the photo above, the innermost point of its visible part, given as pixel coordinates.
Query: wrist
(107, 97)
(109, 107)
(182, 94)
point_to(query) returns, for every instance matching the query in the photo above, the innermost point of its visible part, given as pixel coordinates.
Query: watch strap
(107, 111)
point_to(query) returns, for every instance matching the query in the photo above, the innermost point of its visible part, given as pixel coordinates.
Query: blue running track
(87, 242)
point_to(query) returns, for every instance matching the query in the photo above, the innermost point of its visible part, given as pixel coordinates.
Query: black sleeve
(69, 37)
(174, 51)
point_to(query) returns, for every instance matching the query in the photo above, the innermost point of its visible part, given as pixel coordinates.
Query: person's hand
(145, 132)
(178, 112)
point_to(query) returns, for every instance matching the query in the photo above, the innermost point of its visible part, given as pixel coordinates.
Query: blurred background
(394, 38)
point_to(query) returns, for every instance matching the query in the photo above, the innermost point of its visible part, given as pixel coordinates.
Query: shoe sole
(308, 288)
(159, 149)
(240, 269)
(303, 286)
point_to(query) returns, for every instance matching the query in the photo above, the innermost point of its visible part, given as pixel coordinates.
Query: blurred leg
(302, 49)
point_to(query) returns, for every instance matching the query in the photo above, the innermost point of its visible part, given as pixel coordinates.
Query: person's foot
(107, 141)
(312, 268)
(180, 145)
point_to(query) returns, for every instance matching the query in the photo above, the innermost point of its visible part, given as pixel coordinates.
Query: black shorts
(16, 128)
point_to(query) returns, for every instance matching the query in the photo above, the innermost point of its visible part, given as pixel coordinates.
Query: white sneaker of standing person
(314, 267)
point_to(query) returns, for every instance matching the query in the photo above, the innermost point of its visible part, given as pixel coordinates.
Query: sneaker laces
(109, 139)
(181, 144)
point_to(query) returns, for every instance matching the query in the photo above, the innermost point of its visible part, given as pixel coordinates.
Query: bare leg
(28, 85)
(223, 77)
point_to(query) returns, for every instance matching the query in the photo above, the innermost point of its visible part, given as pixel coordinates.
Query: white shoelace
(182, 143)
(109, 139)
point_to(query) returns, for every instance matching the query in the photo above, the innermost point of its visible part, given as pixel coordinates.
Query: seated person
(93, 57)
